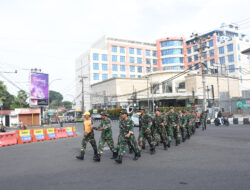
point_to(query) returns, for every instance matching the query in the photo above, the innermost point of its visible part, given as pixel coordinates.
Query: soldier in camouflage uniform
(160, 129)
(126, 137)
(189, 124)
(173, 122)
(106, 136)
(204, 120)
(145, 123)
(193, 119)
(182, 124)
(88, 137)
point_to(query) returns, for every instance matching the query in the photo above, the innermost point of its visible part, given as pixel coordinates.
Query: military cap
(142, 108)
(171, 107)
(104, 113)
(124, 112)
(158, 110)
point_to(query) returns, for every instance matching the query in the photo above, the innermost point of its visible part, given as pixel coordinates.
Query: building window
(95, 56)
(147, 52)
(172, 60)
(196, 57)
(205, 63)
(104, 76)
(104, 57)
(95, 66)
(123, 76)
(230, 58)
(139, 69)
(114, 68)
(139, 60)
(122, 59)
(196, 66)
(190, 67)
(148, 69)
(231, 68)
(104, 67)
(190, 59)
(114, 75)
(212, 61)
(139, 76)
(138, 51)
(131, 59)
(171, 52)
(96, 76)
(114, 49)
(195, 48)
(171, 43)
(239, 57)
(230, 47)
(189, 50)
(122, 49)
(221, 50)
(238, 46)
(154, 53)
(240, 69)
(154, 61)
(122, 68)
(131, 50)
(222, 60)
(211, 43)
(114, 58)
(155, 69)
(211, 52)
(132, 76)
(132, 68)
(148, 61)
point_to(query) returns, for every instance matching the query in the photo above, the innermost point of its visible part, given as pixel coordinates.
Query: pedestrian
(89, 136)
(182, 124)
(126, 137)
(160, 130)
(106, 136)
(173, 121)
(145, 123)
(204, 120)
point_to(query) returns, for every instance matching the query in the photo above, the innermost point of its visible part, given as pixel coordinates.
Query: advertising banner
(69, 131)
(243, 104)
(39, 86)
(39, 134)
(25, 135)
(51, 132)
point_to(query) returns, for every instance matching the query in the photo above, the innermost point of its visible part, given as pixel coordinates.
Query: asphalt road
(215, 159)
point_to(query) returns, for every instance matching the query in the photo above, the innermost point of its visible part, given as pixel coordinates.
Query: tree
(55, 99)
(5, 97)
(67, 104)
(22, 98)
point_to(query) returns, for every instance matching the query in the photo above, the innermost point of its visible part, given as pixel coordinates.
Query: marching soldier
(160, 129)
(145, 123)
(182, 124)
(106, 136)
(189, 124)
(204, 120)
(88, 137)
(173, 122)
(126, 137)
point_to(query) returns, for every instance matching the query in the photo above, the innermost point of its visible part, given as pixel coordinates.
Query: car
(135, 119)
(96, 116)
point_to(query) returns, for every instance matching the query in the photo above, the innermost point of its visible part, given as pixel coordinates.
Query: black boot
(119, 159)
(176, 142)
(130, 150)
(81, 156)
(169, 144)
(152, 150)
(165, 147)
(115, 154)
(136, 156)
(97, 157)
(143, 146)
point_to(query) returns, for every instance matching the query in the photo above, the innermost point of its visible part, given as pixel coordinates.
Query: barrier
(38, 135)
(235, 121)
(24, 136)
(246, 121)
(8, 138)
(50, 134)
(69, 131)
(74, 131)
(61, 133)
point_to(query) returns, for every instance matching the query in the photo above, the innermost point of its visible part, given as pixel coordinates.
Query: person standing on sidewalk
(88, 137)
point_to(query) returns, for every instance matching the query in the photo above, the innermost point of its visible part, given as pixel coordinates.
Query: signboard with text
(243, 104)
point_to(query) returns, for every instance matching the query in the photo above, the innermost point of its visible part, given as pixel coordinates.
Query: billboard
(39, 87)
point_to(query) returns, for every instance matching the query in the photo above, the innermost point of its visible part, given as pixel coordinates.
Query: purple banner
(39, 86)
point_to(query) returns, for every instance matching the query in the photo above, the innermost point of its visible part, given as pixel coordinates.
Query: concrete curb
(234, 121)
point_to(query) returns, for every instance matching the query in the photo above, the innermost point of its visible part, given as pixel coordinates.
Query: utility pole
(201, 49)
(82, 81)
(105, 100)
(218, 85)
(152, 88)
(228, 89)
(148, 91)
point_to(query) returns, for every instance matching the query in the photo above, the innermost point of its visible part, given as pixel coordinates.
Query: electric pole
(82, 81)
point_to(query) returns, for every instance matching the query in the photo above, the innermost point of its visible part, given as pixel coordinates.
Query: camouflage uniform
(193, 116)
(91, 139)
(189, 124)
(183, 121)
(106, 135)
(145, 123)
(160, 130)
(204, 120)
(173, 122)
(126, 126)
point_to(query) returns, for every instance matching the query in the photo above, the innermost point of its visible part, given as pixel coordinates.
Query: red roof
(5, 112)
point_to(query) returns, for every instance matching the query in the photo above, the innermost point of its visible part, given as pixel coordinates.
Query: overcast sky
(51, 34)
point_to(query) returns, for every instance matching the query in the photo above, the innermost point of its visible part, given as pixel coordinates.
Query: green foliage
(175, 108)
(5, 97)
(55, 99)
(115, 112)
(67, 104)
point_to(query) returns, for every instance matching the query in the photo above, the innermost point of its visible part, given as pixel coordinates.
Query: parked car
(135, 119)
(96, 116)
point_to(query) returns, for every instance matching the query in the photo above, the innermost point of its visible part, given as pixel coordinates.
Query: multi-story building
(112, 57)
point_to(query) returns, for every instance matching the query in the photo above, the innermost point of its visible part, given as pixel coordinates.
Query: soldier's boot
(152, 151)
(143, 146)
(157, 143)
(119, 159)
(136, 157)
(115, 154)
(183, 139)
(177, 142)
(97, 157)
(130, 150)
(165, 146)
(81, 156)
(169, 144)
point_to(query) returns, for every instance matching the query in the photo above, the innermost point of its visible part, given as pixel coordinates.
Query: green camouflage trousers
(183, 132)
(155, 136)
(189, 129)
(170, 133)
(147, 136)
(177, 133)
(91, 139)
(161, 133)
(123, 142)
(109, 141)
(203, 123)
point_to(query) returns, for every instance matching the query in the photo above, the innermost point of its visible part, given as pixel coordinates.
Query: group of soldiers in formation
(164, 128)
